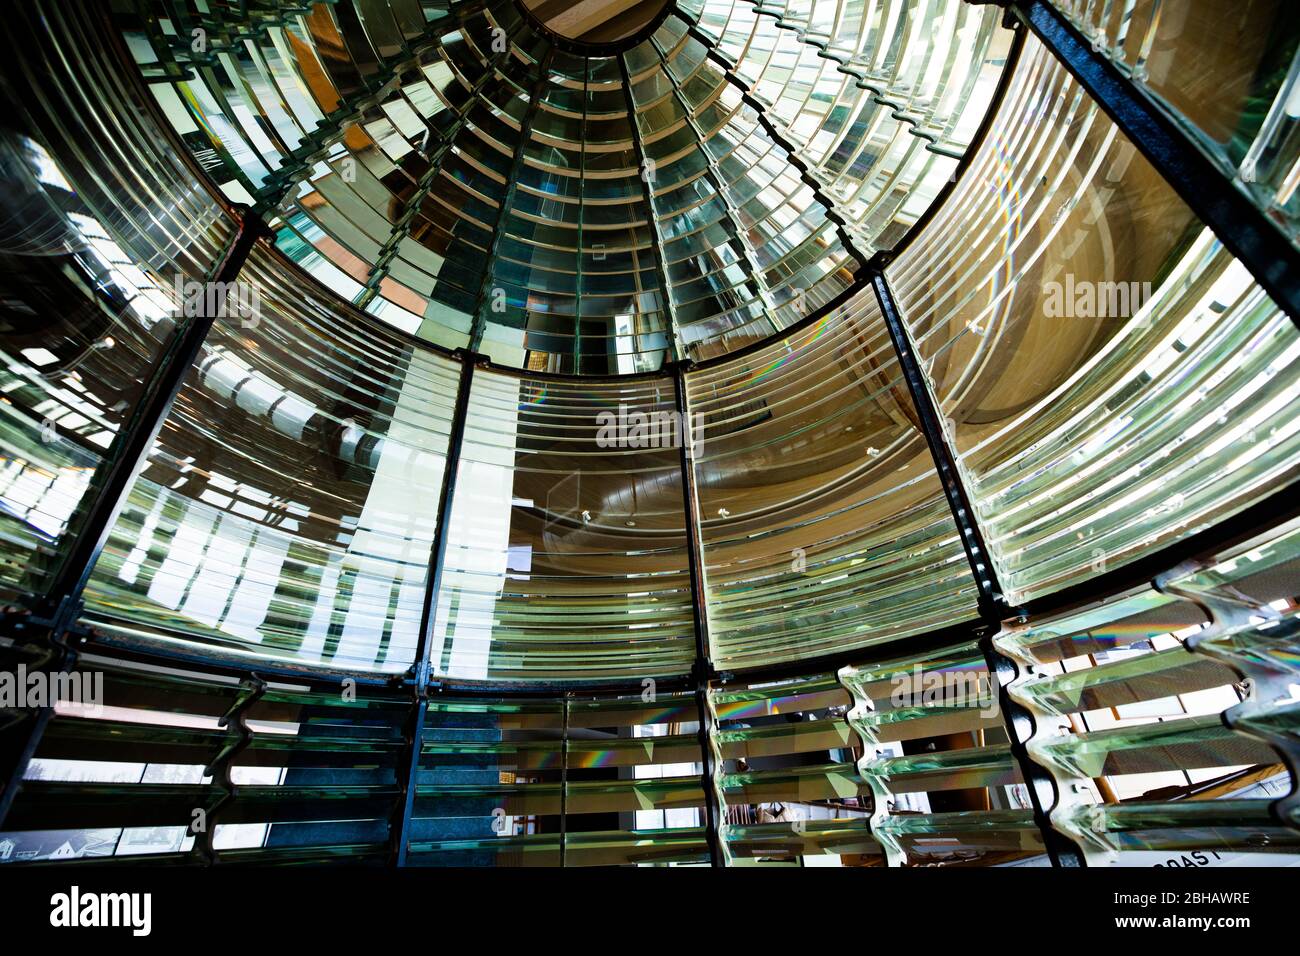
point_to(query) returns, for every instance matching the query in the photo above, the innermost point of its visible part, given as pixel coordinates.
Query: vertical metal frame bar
(408, 771)
(703, 669)
(1018, 722)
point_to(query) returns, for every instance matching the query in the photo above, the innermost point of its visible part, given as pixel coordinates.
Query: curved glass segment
(289, 504)
(790, 784)
(725, 190)
(1188, 691)
(100, 225)
(462, 173)
(567, 550)
(880, 99)
(822, 521)
(1230, 72)
(1111, 378)
(947, 790)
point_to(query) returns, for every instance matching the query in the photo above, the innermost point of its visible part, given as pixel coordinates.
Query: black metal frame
(703, 671)
(1244, 229)
(1018, 722)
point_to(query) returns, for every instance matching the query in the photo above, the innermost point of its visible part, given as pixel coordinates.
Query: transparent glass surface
(289, 505)
(963, 837)
(566, 555)
(881, 99)
(99, 224)
(1111, 378)
(547, 782)
(154, 775)
(1158, 713)
(489, 784)
(453, 172)
(822, 520)
(1200, 825)
(1228, 70)
(788, 775)
(946, 789)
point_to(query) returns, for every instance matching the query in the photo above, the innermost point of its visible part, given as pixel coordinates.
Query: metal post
(408, 773)
(993, 607)
(239, 736)
(703, 669)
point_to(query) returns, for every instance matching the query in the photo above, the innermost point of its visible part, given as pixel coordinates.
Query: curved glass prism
(469, 175)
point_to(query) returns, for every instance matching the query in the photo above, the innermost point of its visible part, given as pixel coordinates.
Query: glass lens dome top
(596, 25)
(590, 188)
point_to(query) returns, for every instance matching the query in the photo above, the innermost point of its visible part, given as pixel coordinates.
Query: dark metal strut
(1018, 721)
(703, 669)
(408, 772)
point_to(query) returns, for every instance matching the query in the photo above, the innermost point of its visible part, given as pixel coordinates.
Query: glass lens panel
(881, 100)
(100, 224)
(579, 781)
(789, 775)
(947, 790)
(1112, 379)
(577, 210)
(566, 553)
(1228, 70)
(1158, 745)
(823, 524)
(289, 505)
(314, 772)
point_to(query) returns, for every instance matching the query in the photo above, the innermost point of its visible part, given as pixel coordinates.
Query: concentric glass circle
(596, 26)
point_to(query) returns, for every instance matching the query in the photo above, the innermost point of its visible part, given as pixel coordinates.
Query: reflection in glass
(947, 790)
(566, 554)
(290, 503)
(1228, 70)
(791, 789)
(533, 782)
(823, 524)
(1112, 379)
(99, 223)
(463, 180)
